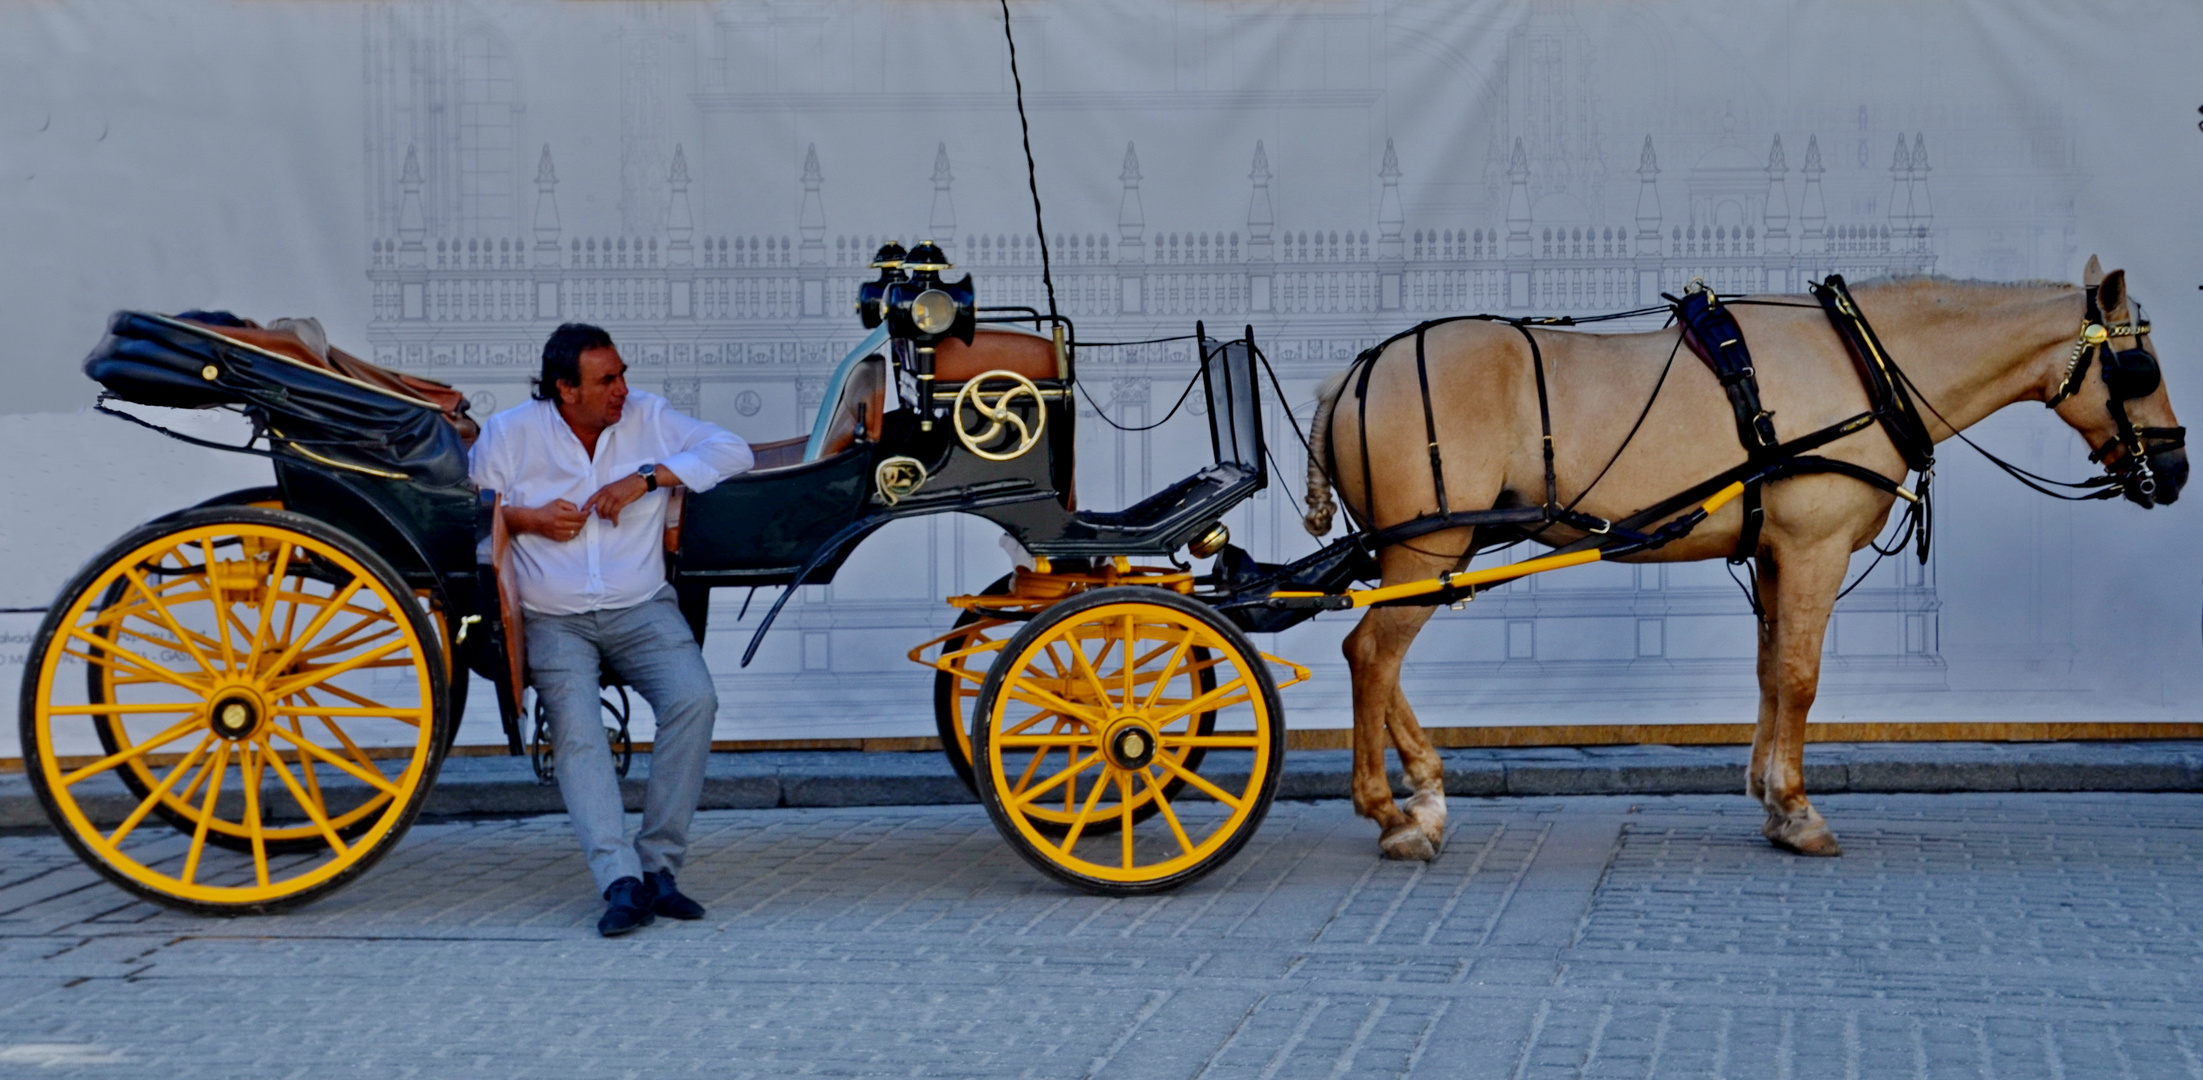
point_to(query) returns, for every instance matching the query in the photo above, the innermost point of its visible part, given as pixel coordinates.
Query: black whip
(1032, 182)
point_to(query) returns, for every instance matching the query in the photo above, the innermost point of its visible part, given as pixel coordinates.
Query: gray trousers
(649, 646)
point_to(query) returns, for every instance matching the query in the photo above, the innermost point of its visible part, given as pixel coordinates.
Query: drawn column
(1648, 225)
(1261, 221)
(1131, 223)
(811, 254)
(546, 261)
(1390, 263)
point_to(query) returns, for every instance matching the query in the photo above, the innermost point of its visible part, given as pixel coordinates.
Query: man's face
(602, 395)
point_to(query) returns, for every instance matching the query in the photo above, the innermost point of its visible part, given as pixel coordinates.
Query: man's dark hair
(562, 357)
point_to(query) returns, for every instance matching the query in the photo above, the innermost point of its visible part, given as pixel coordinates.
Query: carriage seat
(856, 410)
(1005, 347)
(357, 416)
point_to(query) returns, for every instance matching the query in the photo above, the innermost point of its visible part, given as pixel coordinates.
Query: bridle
(2128, 374)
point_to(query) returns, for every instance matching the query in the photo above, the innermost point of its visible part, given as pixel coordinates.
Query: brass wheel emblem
(992, 416)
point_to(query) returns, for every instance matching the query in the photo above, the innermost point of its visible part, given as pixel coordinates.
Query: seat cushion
(995, 347)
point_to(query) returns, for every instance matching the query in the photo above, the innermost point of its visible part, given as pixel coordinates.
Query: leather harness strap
(1714, 336)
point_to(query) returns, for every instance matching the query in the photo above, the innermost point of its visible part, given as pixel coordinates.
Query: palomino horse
(1968, 348)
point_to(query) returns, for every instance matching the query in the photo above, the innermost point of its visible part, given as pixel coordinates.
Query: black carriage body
(796, 524)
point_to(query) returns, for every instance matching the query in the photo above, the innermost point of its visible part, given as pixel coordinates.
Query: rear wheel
(259, 682)
(1128, 740)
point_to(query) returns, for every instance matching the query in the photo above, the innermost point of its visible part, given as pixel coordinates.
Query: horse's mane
(1915, 281)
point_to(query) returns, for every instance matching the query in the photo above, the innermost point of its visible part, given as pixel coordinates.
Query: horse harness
(2128, 374)
(1711, 330)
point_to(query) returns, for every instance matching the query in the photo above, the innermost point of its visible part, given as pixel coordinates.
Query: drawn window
(486, 135)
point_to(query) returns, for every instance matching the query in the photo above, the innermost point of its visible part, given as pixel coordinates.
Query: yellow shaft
(1495, 574)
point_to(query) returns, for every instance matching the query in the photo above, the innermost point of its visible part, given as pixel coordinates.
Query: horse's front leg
(1804, 594)
(1374, 651)
(1763, 733)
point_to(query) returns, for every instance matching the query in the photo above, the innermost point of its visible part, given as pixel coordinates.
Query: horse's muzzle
(2168, 469)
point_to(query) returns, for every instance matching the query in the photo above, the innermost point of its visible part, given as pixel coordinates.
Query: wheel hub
(1130, 742)
(235, 713)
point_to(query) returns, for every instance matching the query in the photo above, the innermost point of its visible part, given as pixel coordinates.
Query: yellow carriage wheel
(259, 682)
(1095, 708)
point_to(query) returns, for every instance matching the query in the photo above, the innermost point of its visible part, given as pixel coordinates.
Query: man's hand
(615, 496)
(560, 520)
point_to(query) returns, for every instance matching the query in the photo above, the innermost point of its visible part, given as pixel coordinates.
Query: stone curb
(761, 780)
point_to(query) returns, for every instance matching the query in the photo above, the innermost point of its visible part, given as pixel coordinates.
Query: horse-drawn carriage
(1103, 700)
(271, 680)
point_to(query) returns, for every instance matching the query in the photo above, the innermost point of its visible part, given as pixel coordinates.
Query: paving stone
(1969, 934)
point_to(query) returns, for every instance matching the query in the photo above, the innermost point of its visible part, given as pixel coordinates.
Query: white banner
(441, 183)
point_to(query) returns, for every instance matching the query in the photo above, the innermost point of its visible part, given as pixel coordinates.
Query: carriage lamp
(924, 310)
(872, 295)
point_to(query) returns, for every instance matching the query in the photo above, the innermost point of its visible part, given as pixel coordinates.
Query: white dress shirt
(529, 454)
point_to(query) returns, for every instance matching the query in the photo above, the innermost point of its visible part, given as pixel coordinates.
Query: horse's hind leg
(1374, 651)
(1806, 582)
(1426, 773)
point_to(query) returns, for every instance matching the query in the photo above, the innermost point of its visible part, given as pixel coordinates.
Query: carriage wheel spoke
(1078, 824)
(1214, 792)
(305, 764)
(1032, 767)
(160, 790)
(1085, 668)
(1214, 742)
(214, 776)
(249, 769)
(1127, 639)
(1077, 766)
(1042, 699)
(1211, 701)
(1185, 844)
(310, 803)
(267, 609)
(370, 777)
(168, 618)
(1170, 670)
(221, 604)
(345, 640)
(121, 659)
(314, 626)
(1055, 739)
(176, 731)
(1124, 809)
(350, 747)
(299, 682)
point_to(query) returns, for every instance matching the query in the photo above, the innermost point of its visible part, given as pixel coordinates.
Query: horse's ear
(2112, 296)
(2094, 275)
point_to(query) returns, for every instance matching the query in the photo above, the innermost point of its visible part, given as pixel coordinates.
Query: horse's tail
(1321, 507)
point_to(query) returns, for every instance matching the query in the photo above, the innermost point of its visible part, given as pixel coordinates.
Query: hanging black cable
(1032, 181)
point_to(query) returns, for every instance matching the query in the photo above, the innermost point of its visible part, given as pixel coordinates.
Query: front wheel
(1140, 708)
(262, 684)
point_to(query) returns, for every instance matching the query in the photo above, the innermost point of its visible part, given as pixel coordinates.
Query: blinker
(2131, 373)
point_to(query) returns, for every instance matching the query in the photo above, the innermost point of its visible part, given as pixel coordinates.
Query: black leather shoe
(667, 900)
(630, 908)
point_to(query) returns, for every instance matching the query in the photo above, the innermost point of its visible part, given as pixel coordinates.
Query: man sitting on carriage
(583, 467)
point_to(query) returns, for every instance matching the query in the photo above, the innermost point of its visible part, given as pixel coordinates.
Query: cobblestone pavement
(2050, 935)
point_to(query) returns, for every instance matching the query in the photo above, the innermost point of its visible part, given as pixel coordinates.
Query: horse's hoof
(1811, 837)
(1427, 811)
(1407, 842)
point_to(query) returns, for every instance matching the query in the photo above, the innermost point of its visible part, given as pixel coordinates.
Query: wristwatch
(649, 473)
